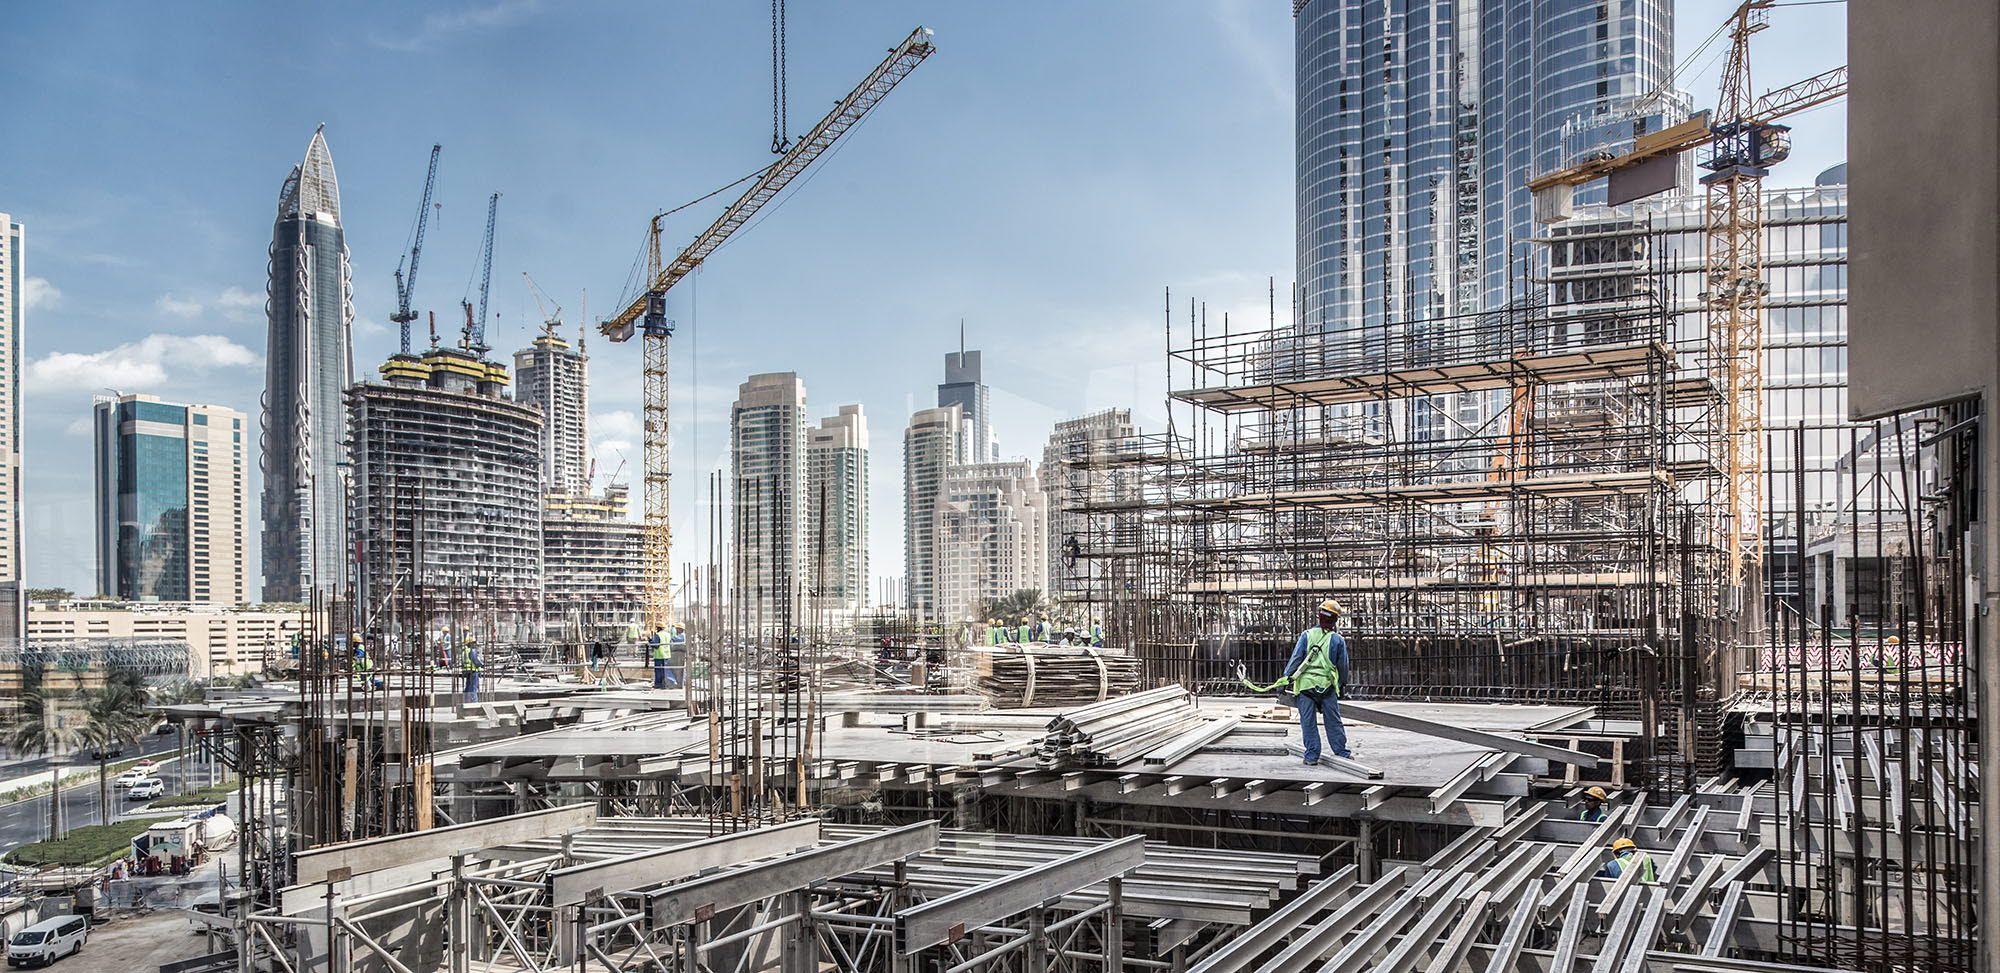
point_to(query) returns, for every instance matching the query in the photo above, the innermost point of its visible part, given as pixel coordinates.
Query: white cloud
(237, 304)
(137, 365)
(438, 26)
(177, 307)
(37, 294)
(79, 426)
(615, 424)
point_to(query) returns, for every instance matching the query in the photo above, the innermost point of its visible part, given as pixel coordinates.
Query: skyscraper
(965, 387)
(836, 503)
(171, 508)
(1074, 472)
(13, 278)
(930, 447)
(1418, 127)
(767, 439)
(308, 366)
(992, 536)
(554, 377)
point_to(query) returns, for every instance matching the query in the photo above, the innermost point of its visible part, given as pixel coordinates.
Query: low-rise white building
(991, 536)
(222, 641)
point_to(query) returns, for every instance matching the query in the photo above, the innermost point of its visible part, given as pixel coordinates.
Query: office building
(992, 536)
(1079, 473)
(1418, 130)
(554, 376)
(447, 494)
(219, 640)
(930, 447)
(767, 438)
(172, 515)
(593, 566)
(308, 367)
(836, 510)
(1604, 259)
(13, 282)
(964, 386)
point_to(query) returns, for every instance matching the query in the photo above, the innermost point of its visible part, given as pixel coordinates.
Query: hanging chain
(780, 98)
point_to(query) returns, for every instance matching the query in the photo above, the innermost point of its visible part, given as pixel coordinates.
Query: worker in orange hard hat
(1625, 854)
(1594, 802)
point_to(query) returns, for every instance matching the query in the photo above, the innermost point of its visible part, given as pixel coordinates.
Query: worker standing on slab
(1317, 670)
(468, 665)
(657, 649)
(1594, 801)
(676, 649)
(1626, 854)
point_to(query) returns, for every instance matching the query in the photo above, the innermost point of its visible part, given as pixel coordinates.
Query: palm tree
(41, 728)
(113, 715)
(1016, 608)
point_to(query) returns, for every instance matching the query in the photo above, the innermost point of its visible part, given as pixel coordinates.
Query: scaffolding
(1511, 505)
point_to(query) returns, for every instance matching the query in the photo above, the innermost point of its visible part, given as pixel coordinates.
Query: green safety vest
(660, 651)
(465, 660)
(364, 664)
(1640, 860)
(995, 635)
(1318, 671)
(1027, 634)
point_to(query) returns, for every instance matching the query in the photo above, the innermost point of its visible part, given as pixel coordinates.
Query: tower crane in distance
(646, 314)
(475, 328)
(407, 286)
(1743, 142)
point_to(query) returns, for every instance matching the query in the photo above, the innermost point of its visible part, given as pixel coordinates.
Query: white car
(146, 790)
(132, 776)
(48, 941)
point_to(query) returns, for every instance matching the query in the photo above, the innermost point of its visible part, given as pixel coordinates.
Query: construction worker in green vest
(1594, 801)
(1096, 635)
(1026, 633)
(1315, 673)
(1626, 854)
(469, 667)
(995, 635)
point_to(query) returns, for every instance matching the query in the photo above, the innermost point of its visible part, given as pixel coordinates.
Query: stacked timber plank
(1116, 731)
(1036, 674)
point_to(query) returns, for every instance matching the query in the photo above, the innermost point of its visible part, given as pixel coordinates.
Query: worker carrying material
(1315, 674)
(1626, 854)
(660, 650)
(468, 665)
(1594, 801)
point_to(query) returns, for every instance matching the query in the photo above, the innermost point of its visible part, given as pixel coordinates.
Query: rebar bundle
(1118, 730)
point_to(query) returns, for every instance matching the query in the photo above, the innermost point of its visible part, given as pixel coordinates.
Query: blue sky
(1042, 177)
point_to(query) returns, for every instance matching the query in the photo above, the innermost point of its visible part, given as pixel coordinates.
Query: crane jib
(901, 61)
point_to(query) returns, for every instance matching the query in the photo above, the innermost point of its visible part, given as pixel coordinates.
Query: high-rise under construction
(553, 376)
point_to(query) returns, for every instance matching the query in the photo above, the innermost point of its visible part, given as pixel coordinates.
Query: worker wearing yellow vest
(1626, 854)
(1316, 673)
(661, 651)
(995, 635)
(468, 664)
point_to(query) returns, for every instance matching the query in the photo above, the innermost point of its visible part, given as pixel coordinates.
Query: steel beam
(1243, 949)
(374, 854)
(658, 866)
(1446, 731)
(946, 919)
(705, 897)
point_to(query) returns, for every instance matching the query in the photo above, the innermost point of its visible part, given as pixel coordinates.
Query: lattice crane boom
(646, 314)
(406, 286)
(475, 327)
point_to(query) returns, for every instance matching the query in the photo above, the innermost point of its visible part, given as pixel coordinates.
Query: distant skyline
(1043, 177)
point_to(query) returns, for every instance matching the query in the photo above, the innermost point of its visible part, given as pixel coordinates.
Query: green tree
(41, 728)
(50, 594)
(1016, 608)
(113, 716)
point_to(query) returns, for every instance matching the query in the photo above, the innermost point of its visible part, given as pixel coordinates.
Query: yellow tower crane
(1743, 143)
(646, 315)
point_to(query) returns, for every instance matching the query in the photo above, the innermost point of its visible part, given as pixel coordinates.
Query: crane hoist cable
(780, 97)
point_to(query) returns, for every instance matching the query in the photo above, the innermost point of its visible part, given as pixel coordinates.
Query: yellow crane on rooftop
(1743, 142)
(646, 314)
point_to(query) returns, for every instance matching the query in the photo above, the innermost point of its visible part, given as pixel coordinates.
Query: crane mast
(646, 314)
(407, 286)
(475, 328)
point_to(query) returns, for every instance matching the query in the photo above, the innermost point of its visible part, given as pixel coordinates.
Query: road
(152, 745)
(26, 821)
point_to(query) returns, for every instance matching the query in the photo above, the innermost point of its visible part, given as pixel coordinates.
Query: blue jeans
(1336, 732)
(663, 675)
(472, 686)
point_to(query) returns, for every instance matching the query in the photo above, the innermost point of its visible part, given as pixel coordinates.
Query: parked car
(146, 790)
(47, 941)
(132, 776)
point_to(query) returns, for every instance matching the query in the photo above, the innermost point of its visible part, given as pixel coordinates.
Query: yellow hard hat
(1332, 607)
(1597, 792)
(1893, 640)
(1622, 844)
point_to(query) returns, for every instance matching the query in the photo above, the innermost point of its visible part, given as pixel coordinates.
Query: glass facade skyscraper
(965, 386)
(170, 504)
(308, 366)
(1419, 125)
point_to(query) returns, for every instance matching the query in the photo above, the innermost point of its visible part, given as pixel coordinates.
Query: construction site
(1637, 679)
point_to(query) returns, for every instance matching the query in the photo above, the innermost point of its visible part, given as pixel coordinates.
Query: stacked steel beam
(1118, 730)
(1054, 675)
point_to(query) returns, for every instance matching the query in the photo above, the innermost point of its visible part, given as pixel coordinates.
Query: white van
(47, 941)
